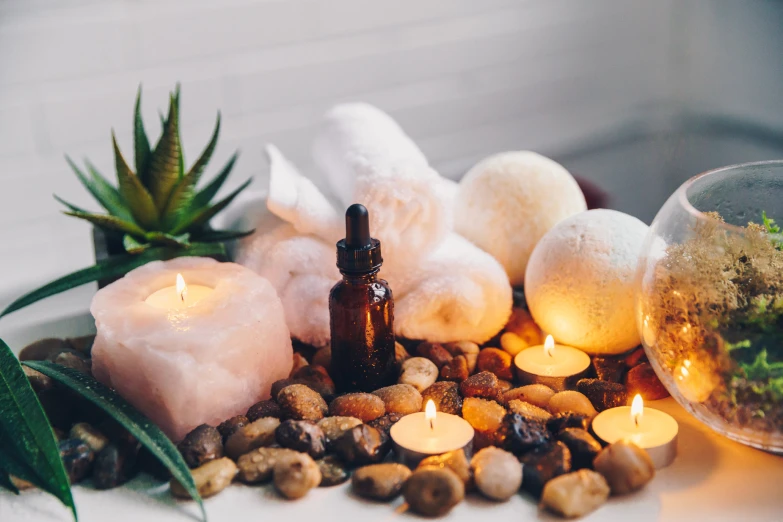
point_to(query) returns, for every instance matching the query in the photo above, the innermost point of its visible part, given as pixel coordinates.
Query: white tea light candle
(198, 352)
(652, 430)
(555, 365)
(420, 435)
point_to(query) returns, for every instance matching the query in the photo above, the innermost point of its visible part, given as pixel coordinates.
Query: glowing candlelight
(179, 296)
(556, 365)
(637, 409)
(429, 413)
(418, 435)
(549, 346)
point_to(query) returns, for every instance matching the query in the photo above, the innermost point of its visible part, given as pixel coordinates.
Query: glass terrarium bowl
(710, 300)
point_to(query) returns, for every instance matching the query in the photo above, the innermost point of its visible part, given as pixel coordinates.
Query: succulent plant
(159, 204)
(157, 212)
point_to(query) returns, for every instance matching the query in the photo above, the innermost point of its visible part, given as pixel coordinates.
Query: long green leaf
(106, 195)
(119, 208)
(71, 207)
(106, 221)
(27, 437)
(164, 165)
(132, 246)
(148, 434)
(181, 241)
(112, 267)
(223, 235)
(135, 195)
(203, 198)
(141, 143)
(182, 195)
(203, 216)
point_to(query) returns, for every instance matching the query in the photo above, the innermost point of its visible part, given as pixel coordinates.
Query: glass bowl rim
(682, 192)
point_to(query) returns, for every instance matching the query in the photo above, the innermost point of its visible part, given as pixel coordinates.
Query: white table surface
(713, 478)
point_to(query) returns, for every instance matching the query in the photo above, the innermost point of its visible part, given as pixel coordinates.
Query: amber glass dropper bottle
(361, 311)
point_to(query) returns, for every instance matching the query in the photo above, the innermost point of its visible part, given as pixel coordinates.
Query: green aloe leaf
(112, 267)
(106, 221)
(119, 208)
(182, 241)
(223, 235)
(141, 143)
(71, 207)
(183, 193)
(203, 198)
(104, 193)
(29, 447)
(164, 165)
(148, 434)
(202, 217)
(132, 245)
(133, 192)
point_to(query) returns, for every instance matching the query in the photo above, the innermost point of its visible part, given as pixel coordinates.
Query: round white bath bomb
(579, 284)
(507, 202)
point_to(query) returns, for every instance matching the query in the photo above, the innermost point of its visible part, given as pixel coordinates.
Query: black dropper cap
(358, 253)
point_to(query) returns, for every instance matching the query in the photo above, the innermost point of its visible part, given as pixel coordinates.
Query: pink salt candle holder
(190, 341)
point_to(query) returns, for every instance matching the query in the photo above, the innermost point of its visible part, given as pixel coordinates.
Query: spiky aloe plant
(157, 211)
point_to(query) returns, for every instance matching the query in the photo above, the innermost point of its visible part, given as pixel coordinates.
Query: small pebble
(400, 398)
(561, 421)
(229, 426)
(433, 492)
(380, 481)
(575, 494)
(299, 362)
(333, 472)
(299, 402)
(609, 368)
(278, 386)
(82, 344)
(295, 475)
(363, 406)
(75, 362)
(543, 464)
(635, 358)
(625, 466)
(362, 445)
(211, 478)
(257, 465)
(91, 436)
(583, 447)
(641, 379)
(519, 434)
(202, 444)
(334, 427)
(456, 461)
(38, 381)
(535, 394)
(384, 424)
(497, 473)
(316, 378)
(323, 357)
(45, 350)
(254, 435)
(483, 385)
(77, 458)
(495, 361)
(267, 408)
(455, 370)
(603, 394)
(571, 401)
(504, 386)
(485, 439)
(419, 373)
(113, 467)
(522, 324)
(528, 411)
(512, 344)
(445, 395)
(434, 352)
(400, 354)
(483, 414)
(467, 349)
(302, 436)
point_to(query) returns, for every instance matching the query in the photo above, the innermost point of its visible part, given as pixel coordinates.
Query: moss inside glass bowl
(710, 305)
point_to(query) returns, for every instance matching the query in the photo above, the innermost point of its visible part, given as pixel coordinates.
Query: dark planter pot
(107, 246)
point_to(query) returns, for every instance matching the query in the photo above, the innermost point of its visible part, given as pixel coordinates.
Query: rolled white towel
(458, 293)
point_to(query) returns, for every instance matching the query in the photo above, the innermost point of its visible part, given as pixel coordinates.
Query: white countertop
(712, 479)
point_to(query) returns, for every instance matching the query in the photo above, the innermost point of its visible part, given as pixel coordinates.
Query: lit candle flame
(637, 409)
(182, 288)
(549, 346)
(429, 413)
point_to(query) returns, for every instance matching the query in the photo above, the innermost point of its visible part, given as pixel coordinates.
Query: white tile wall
(466, 78)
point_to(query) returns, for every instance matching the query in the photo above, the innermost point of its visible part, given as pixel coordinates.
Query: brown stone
(435, 353)
(495, 361)
(641, 379)
(455, 370)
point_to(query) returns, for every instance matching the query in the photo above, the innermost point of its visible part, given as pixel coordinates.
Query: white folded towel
(445, 288)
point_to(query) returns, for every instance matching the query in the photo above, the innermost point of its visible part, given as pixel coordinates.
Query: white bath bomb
(579, 283)
(507, 202)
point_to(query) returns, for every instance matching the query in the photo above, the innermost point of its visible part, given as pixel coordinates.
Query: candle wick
(636, 420)
(432, 425)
